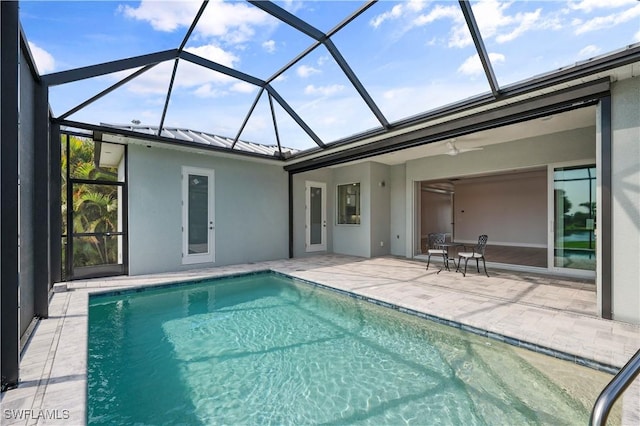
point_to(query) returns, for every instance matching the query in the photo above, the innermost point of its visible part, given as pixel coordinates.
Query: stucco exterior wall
(354, 239)
(372, 236)
(380, 209)
(397, 209)
(625, 193)
(251, 210)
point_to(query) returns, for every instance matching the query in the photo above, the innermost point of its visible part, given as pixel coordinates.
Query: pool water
(266, 349)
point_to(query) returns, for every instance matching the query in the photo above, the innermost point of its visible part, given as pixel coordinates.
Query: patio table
(446, 246)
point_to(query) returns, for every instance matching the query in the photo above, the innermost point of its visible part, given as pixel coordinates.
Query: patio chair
(476, 253)
(434, 240)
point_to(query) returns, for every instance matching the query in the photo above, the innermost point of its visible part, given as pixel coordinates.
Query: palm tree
(94, 206)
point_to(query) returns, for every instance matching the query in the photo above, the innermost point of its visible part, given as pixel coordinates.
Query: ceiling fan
(454, 150)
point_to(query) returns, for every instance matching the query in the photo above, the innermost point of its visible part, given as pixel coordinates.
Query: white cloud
(188, 76)
(154, 81)
(215, 53)
(305, 71)
(233, 22)
(407, 101)
(322, 60)
(43, 59)
(589, 5)
(607, 21)
(526, 22)
(398, 11)
(473, 66)
(269, 46)
(395, 12)
(493, 18)
(208, 91)
(589, 51)
(636, 38)
(163, 16)
(438, 12)
(281, 78)
(495, 21)
(243, 87)
(323, 90)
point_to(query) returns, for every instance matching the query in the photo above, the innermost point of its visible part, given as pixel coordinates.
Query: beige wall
(511, 209)
(436, 212)
(528, 153)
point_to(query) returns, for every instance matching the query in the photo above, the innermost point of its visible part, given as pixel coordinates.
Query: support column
(290, 191)
(9, 45)
(40, 216)
(604, 228)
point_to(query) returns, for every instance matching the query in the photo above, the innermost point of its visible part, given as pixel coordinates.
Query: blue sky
(411, 56)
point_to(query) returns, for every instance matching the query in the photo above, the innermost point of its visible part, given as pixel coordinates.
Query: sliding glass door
(574, 218)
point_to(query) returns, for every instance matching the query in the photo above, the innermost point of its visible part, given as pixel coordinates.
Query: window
(349, 204)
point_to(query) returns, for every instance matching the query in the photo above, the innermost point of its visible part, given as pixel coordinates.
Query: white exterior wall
(354, 239)
(625, 193)
(251, 210)
(397, 198)
(380, 209)
(375, 213)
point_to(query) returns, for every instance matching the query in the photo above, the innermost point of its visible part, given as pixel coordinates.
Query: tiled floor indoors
(552, 312)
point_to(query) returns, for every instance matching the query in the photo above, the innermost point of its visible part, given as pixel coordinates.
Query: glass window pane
(349, 204)
(82, 159)
(316, 215)
(198, 214)
(575, 213)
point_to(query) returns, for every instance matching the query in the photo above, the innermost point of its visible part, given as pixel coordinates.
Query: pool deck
(549, 312)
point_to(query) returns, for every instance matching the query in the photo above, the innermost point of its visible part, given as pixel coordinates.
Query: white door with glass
(198, 224)
(573, 217)
(316, 216)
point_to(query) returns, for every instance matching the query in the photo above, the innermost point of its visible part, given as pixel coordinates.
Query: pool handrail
(613, 390)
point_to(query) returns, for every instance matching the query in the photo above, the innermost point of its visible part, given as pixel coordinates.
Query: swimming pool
(266, 349)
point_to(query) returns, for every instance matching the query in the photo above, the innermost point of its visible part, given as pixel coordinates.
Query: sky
(411, 57)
